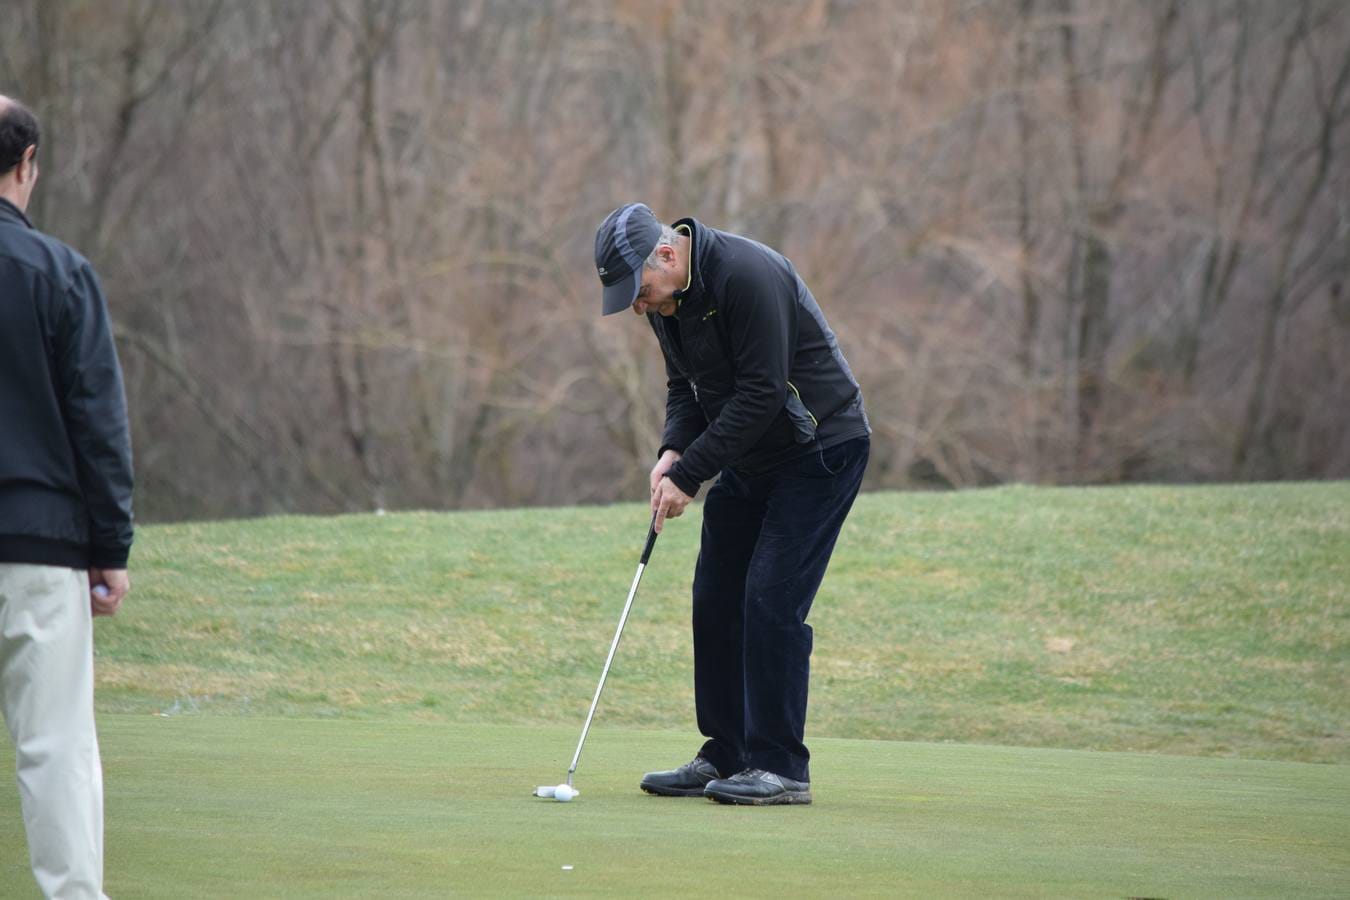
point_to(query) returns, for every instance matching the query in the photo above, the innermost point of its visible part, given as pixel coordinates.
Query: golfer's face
(657, 293)
(649, 301)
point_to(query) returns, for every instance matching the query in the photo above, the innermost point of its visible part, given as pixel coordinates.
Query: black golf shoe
(688, 780)
(756, 787)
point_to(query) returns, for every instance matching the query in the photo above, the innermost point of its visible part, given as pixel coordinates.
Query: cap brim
(620, 295)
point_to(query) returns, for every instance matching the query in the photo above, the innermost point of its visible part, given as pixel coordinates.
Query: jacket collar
(692, 297)
(8, 211)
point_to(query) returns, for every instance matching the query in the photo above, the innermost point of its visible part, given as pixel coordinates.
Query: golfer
(760, 397)
(65, 521)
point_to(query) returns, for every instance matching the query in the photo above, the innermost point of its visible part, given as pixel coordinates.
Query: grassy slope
(206, 806)
(1197, 620)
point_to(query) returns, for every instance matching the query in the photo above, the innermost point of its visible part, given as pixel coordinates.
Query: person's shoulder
(745, 264)
(52, 258)
(63, 257)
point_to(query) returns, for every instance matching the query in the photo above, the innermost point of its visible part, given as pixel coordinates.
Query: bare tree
(347, 244)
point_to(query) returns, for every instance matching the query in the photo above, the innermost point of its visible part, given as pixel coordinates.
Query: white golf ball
(564, 793)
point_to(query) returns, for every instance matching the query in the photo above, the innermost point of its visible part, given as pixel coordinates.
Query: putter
(552, 790)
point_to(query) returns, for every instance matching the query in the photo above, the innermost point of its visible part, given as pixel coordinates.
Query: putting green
(201, 806)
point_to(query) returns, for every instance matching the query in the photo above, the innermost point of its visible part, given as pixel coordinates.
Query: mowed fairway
(217, 807)
(359, 706)
(1195, 620)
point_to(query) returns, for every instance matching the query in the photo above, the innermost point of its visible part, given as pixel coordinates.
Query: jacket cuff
(681, 481)
(108, 557)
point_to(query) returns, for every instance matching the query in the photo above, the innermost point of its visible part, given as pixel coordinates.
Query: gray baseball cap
(622, 243)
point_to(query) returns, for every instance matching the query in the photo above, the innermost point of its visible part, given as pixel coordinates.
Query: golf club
(565, 792)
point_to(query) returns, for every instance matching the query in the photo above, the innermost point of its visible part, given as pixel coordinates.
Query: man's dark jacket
(65, 448)
(755, 375)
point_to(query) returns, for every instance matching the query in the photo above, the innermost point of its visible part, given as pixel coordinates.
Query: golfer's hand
(117, 584)
(668, 501)
(668, 459)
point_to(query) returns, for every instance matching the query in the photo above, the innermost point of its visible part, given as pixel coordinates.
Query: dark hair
(18, 132)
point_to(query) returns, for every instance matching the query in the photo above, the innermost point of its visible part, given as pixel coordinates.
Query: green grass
(210, 806)
(359, 706)
(1187, 620)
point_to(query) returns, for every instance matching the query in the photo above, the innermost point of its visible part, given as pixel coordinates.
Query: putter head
(545, 790)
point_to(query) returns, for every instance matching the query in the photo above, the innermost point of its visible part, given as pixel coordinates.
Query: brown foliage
(347, 245)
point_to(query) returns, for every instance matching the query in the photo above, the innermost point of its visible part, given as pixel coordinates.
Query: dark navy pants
(767, 540)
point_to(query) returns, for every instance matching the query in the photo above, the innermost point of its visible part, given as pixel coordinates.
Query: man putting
(759, 394)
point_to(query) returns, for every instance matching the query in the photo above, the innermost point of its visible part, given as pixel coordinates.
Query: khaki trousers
(47, 697)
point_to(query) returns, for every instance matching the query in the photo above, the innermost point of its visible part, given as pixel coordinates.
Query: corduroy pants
(766, 543)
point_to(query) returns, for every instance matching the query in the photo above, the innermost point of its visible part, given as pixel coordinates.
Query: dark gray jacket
(65, 448)
(755, 375)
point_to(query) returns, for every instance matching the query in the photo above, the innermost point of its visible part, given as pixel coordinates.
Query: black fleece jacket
(65, 448)
(755, 376)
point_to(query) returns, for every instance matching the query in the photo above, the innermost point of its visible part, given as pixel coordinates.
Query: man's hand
(668, 501)
(668, 459)
(114, 583)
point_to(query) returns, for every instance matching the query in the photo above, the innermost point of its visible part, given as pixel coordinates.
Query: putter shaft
(613, 646)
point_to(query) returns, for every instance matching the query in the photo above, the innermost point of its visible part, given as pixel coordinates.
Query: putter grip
(651, 540)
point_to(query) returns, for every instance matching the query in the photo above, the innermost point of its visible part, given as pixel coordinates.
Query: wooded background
(348, 245)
